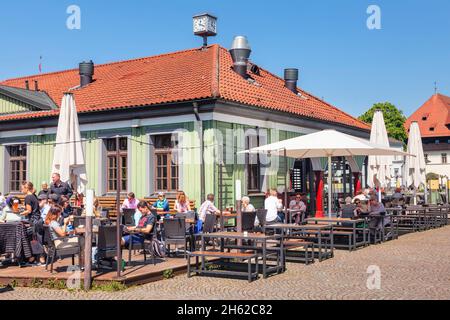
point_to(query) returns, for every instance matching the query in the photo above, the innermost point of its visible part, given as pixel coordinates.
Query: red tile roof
(175, 77)
(435, 113)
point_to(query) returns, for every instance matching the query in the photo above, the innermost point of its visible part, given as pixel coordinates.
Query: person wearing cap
(161, 204)
(44, 207)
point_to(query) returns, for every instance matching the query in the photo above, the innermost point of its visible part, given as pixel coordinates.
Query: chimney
(27, 84)
(36, 86)
(86, 69)
(290, 79)
(240, 52)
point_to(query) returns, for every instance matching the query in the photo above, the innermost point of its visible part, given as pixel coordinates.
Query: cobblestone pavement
(417, 266)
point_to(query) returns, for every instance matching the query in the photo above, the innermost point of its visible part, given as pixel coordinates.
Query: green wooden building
(170, 111)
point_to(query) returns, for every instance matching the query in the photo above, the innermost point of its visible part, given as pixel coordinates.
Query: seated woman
(144, 229)
(161, 205)
(246, 205)
(130, 202)
(182, 203)
(11, 212)
(60, 231)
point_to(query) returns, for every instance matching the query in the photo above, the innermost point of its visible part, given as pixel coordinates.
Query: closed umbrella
(415, 165)
(326, 143)
(379, 166)
(68, 158)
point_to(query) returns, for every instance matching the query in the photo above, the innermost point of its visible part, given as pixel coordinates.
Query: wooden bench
(293, 253)
(223, 255)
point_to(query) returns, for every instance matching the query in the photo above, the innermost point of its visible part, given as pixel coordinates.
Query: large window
(444, 158)
(253, 165)
(111, 164)
(166, 167)
(17, 166)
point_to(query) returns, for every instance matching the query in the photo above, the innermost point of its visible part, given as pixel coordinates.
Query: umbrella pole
(329, 186)
(119, 218)
(286, 179)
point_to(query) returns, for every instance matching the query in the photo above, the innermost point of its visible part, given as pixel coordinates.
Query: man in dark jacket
(59, 187)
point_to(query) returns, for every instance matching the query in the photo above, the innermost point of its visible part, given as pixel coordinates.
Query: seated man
(144, 228)
(162, 204)
(208, 207)
(298, 204)
(375, 210)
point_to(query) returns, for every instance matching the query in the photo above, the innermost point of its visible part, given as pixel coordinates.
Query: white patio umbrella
(327, 143)
(415, 165)
(379, 166)
(68, 159)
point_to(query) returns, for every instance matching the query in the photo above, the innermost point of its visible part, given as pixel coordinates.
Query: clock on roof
(205, 25)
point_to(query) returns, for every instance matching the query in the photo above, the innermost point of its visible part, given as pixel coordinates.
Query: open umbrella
(68, 158)
(326, 143)
(415, 165)
(379, 166)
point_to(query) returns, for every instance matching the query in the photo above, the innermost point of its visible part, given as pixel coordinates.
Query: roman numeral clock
(205, 25)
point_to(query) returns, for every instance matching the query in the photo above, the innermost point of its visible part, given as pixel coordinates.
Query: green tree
(393, 118)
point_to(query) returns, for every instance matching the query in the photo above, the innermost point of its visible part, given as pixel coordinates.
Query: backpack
(159, 248)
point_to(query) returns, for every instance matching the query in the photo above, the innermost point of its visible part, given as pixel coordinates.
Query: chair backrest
(181, 216)
(248, 220)
(261, 214)
(210, 222)
(174, 228)
(107, 238)
(128, 217)
(79, 221)
(348, 211)
(190, 215)
(46, 237)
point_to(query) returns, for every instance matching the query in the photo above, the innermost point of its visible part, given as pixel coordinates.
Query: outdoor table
(15, 239)
(254, 237)
(310, 229)
(340, 221)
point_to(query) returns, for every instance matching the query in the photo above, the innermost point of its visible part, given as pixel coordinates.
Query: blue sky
(339, 58)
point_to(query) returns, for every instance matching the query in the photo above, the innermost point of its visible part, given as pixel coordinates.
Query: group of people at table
(52, 207)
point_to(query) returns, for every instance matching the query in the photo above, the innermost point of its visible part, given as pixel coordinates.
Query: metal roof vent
(240, 52)
(290, 79)
(86, 69)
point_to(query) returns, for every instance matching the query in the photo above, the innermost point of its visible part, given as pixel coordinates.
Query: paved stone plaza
(417, 266)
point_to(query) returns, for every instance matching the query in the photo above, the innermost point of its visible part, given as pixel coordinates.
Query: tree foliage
(393, 118)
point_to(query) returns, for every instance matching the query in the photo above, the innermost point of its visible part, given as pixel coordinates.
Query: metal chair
(261, 214)
(175, 233)
(106, 245)
(248, 221)
(128, 217)
(79, 221)
(53, 252)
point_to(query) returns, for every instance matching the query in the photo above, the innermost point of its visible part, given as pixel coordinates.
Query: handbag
(36, 247)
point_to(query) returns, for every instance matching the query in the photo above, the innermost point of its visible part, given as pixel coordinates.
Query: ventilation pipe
(86, 69)
(290, 79)
(240, 53)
